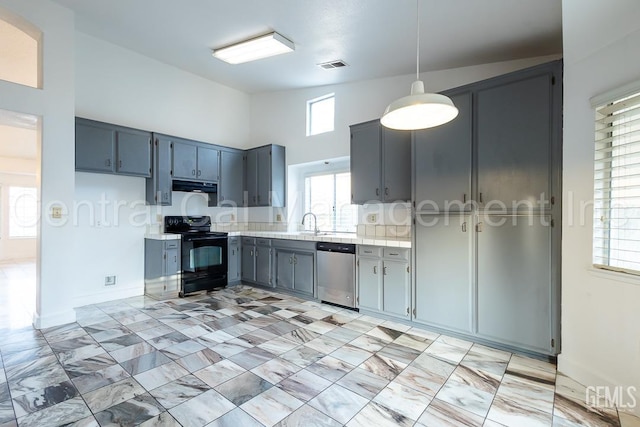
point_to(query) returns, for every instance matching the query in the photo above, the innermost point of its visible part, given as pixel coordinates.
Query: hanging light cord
(417, 39)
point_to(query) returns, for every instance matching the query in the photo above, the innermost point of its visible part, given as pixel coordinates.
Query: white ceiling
(375, 37)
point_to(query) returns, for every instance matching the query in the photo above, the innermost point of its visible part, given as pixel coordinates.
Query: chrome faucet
(315, 221)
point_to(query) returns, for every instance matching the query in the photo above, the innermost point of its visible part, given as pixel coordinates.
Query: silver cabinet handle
(384, 271)
(290, 260)
(480, 198)
(375, 269)
(250, 253)
(199, 172)
(464, 227)
(386, 191)
(120, 164)
(193, 172)
(107, 162)
(464, 198)
(377, 191)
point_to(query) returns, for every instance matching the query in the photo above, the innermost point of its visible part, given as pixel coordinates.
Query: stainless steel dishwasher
(337, 273)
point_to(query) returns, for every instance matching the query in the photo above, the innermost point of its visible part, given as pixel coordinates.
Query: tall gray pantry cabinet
(486, 192)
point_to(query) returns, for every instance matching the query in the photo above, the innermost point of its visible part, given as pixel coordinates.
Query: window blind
(616, 225)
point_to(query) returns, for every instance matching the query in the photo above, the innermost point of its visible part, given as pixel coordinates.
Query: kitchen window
(23, 212)
(328, 196)
(616, 224)
(320, 114)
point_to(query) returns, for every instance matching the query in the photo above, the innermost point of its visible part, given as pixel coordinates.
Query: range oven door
(204, 263)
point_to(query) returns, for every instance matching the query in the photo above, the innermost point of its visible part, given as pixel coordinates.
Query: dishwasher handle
(344, 248)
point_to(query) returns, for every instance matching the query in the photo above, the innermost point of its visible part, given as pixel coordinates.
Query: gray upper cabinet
(184, 160)
(380, 163)
(514, 281)
(158, 187)
(208, 164)
(265, 176)
(230, 188)
(106, 148)
(442, 162)
(366, 173)
(514, 123)
(195, 161)
(443, 277)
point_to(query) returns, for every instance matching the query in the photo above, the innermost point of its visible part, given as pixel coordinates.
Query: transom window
(19, 50)
(616, 224)
(320, 114)
(328, 196)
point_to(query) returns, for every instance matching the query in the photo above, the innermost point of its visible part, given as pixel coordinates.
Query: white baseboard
(108, 295)
(53, 319)
(589, 377)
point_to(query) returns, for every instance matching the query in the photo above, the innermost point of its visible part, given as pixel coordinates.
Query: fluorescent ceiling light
(257, 48)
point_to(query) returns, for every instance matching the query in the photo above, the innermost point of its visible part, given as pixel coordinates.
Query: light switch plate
(372, 218)
(278, 217)
(56, 212)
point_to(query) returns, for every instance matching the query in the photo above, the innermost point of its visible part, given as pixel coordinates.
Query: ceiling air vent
(339, 63)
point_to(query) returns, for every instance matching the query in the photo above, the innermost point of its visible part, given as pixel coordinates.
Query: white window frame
(308, 225)
(310, 104)
(605, 203)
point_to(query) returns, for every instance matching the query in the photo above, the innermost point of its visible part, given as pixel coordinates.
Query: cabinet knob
(377, 191)
(375, 269)
(193, 172)
(386, 191)
(120, 164)
(107, 162)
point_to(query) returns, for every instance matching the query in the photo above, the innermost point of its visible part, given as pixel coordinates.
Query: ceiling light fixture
(271, 44)
(419, 110)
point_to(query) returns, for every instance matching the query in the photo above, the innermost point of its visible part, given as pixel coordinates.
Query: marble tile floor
(248, 357)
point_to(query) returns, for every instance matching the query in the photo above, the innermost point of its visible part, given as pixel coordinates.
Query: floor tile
(271, 406)
(252, 357)
(105, 397)
(202, 409)
(512, 414)
(351, 354)
(39, 400)
(440, 413)
(276, 370)
(243, 388)
(363, 382)
(339, 403)
(68, 411)
(219, 372)
(375, 413)
(235, 418)
(132, 412)
(161, 375)
(304, 385)
(145, 362)
(330, 368)
(404, 400)
(466, 397)
(98, 379)
(179, 391)
(199, 360)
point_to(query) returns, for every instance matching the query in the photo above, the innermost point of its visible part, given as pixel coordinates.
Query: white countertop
(396, 242)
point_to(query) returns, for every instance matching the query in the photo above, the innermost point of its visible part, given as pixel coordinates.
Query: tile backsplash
(249, 226)
(373, 230)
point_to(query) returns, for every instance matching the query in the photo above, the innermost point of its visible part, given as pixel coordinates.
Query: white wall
(280, 117)
(600, 311)
(54, 104)
(119, 86)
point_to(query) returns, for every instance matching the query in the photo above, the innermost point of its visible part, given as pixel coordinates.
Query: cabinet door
(365, 163)
(249, 263)
(514, 280)
(252, 178)
(443, 275)
(442, 161)
(396, 165)
(514, 139)
(263, 265)
(95, 147)
(184, 160)
(284, 269)
(231, 177)
(208, 164)
(264, 176)
(171, 257)
(234, 263)
(303, 273)
(370, 284)
(159, 185)
(396, 288)
(134, 153)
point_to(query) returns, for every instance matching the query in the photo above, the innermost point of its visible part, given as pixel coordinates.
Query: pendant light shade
(419, 110)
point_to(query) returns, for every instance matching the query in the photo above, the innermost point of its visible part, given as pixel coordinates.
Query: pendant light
(419, 110)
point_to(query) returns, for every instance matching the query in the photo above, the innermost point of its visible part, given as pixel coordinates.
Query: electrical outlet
(372, 218)
(109, 280)
(278, 217)
(56, 212)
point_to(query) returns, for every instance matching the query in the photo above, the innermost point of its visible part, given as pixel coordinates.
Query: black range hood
(194, 187)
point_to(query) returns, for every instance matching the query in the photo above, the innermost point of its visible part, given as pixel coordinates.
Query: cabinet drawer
(263, 242)
(171, 244)
(248, 241)
(396, 253)
(372, 251)
(233, 240)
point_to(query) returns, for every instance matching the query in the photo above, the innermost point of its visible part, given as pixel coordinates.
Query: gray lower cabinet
(443, 288)
(263, 254)
(158, 187)
(384, 280)
(295, 266)
(515, 285)
(106, 148)
(231, 185)
(161, 267)
(265, 176)
(442, 162)
(234, 260)
(380, 163)
(248, 259)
